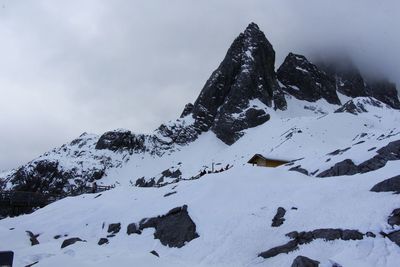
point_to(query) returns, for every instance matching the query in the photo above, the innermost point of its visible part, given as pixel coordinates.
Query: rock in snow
(278, 218)
(301, 261)
(388, 185)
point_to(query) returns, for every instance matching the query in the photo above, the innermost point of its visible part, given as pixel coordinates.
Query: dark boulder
(114, 228)
(154, 253)
(279, 217)
(172, 174)
(173, 229)
(102, 241)
(388, 185)
(394, 218)
(133, 229)
(305, 81)
(70, 241)
(345, 167)
(301, 261)
(141, 182)
(187, 110)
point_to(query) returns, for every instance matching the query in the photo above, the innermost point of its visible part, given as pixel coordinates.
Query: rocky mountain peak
(246, 73)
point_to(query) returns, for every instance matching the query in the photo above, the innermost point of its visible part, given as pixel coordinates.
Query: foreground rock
(388, 185)
(345, 167)
(300, 238)
(173, 229)
(301, 261)
(278, 218)
(70, 241)
(394, 218)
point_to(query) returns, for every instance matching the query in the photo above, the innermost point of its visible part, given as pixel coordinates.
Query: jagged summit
(246, 73)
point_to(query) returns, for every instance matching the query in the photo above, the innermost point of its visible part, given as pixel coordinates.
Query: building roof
(252, 160)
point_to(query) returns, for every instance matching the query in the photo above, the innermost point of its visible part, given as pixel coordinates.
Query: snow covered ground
(233, 209)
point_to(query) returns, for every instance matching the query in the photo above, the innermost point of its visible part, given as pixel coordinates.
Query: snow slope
(232, 209)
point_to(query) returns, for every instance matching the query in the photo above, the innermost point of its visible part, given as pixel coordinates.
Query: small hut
(263, 161)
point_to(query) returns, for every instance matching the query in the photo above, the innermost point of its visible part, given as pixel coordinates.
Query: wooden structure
(263, 161)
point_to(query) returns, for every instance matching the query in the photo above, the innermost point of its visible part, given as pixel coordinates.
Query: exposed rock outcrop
(173, 229)
(388, 185)
(300, 238)
(305, 81)
(394, 218)
(345, 167)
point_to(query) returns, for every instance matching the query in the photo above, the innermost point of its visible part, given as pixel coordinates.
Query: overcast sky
(72, 66)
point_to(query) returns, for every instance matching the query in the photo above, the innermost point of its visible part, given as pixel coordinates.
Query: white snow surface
(232, 209)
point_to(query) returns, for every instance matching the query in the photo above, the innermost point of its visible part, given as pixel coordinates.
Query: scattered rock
(300, 238)
(173, 229)
(278, 218)
(102, 241)
(394, 218)
(345, 167)
(114, 228)
(70, 241)
(370, 234)
(299, 169)
(170, 193)
(301, 261)
(133, 229)
(33, 238)
(154, 253)
(388, 185)
(141, 182)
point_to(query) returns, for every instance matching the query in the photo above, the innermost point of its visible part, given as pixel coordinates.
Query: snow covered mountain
(187, 194)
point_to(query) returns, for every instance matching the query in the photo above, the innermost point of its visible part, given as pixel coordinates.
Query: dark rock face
(300, 238)
(384, 154)
(394, 218)
(172, 174)
(388, 185)
(278, 218)
(348, 78)
(345, 167)
(301, 261)
(384, 91)
(305, 81)
(120, 140)
(33, 238)
(114, 228)
(356, 107)
(173, 229)
(70, 241)
(102, 241)
(43, 176)
(246, 73)
(141, 182)
(187, 110)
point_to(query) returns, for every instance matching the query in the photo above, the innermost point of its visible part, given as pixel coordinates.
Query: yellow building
(263, 161)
